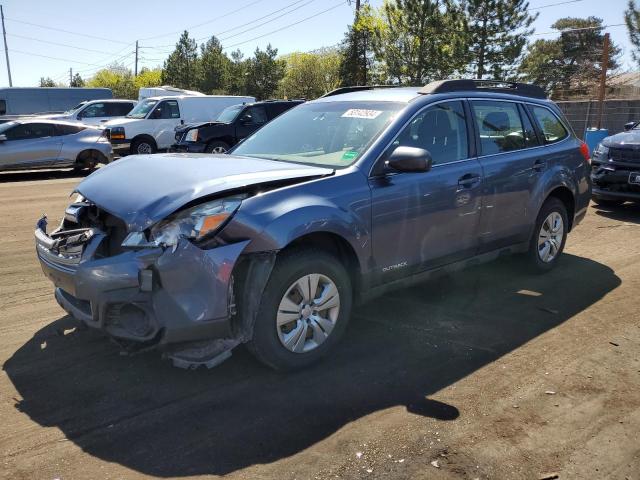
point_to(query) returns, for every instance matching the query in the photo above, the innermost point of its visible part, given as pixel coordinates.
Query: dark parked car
(333, 202)
(232, 125)
(616, 168)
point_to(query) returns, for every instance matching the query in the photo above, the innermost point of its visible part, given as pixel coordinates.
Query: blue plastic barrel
(593, 136)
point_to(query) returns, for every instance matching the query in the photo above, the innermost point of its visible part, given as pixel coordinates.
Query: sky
(85, 36)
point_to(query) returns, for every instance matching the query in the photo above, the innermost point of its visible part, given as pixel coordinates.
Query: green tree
(632, 19)
(148, 78)
(237, 74)
(421, 40)
(116, 77)
(571, 63)
(309, 75)
(47, 82)
(214, 67)
(498, 32)
(357, 61)
(77, 81)
(264, 72)
(181, 68)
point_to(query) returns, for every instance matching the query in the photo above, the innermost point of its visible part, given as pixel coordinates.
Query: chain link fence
(583, 114)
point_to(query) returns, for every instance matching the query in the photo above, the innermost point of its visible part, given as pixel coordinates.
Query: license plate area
(634, 178)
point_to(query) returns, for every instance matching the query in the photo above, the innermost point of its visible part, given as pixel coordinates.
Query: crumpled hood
(189, 126)
(143, 189)
(631, 137)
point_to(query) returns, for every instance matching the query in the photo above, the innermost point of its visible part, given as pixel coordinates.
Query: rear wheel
(217, 147)
(304, 310)
(143, 146)
(549, 236)
(608, 202)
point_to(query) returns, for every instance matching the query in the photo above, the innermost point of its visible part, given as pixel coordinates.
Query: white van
(94, 112)
(151, 125)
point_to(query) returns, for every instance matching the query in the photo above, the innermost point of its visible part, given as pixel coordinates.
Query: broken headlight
(601, 152)
(193, 223)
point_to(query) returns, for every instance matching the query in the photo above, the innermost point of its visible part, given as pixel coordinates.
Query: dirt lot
(491, 373)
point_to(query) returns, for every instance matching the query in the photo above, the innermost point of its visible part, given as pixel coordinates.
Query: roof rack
(357, 88)
(446, 86)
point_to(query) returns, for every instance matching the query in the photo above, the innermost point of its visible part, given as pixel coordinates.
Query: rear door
(424, 220)
(30, 145)
(165, 118)
(513, 163)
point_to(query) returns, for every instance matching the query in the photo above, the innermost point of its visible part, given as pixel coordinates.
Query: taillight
(584, 150)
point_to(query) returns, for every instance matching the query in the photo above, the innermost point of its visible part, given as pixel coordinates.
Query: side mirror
(3, 138)
(410, 159)
(629, 126)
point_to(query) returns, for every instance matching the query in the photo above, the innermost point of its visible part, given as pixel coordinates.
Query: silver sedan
(37, 143)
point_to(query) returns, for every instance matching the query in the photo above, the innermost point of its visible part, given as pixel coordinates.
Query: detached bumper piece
(146, 298)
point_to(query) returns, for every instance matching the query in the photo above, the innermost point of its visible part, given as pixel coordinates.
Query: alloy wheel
(550, 237)
(307, 313)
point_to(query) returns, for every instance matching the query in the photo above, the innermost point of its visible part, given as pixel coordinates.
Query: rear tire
(143, 146)
(549, 236)
(608, 202)
(293, 328)
(217, 147)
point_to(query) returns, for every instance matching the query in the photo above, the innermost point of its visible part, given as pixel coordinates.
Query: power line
(555, 4)
(205, 23)
(58, 44)
(286, 26)
(601, 27)
(52, 58)
(65, 31)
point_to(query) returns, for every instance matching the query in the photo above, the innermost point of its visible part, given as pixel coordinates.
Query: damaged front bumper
(153, 297)
(612, 180)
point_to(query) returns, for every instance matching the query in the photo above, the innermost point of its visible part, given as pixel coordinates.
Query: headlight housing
(191, 135)
(195, 223)
(117, 133)
(601, 152)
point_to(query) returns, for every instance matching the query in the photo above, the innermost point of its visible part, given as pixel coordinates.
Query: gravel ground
(490, 373)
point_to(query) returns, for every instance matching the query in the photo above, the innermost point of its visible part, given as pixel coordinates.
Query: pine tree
(77, 81)
(264, 72)
(47, 82)
(498, 32)
(632, 19)
(214, 67)
(181, 68)
(237, 78)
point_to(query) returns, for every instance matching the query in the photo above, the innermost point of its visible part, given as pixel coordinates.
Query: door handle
(469, 180)
(538, 165)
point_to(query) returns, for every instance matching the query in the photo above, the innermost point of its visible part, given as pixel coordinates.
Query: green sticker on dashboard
(349, 155)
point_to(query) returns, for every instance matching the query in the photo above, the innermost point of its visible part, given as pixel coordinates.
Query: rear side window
(552, 129)
(69, 129)
(119, 109)
(441, 129)
(500, 126)
(30, 131)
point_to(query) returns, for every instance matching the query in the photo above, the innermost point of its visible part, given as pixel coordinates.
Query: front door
(251, 119)
(424, 220)
(165, 118)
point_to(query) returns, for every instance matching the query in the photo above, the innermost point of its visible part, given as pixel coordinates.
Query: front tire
(142, 146)
(217, 147)
(549, 236)
(304, 310)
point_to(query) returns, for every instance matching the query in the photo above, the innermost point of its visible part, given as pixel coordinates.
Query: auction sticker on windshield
(361, 113)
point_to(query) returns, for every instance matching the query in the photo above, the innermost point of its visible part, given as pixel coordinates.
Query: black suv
(232, 125)
(616, 168)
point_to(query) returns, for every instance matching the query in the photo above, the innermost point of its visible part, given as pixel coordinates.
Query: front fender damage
(247, 284)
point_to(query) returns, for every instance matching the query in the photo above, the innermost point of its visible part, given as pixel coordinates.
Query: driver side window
(441, 129)
(94, 111)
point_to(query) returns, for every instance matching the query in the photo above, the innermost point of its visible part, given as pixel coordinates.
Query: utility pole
(6, 50)
(70, 76)
(135, 71)
(604, 65)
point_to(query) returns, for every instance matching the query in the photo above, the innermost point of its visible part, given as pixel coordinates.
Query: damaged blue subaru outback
(336, 201)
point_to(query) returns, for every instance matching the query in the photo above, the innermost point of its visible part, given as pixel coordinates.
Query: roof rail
(357, 88)
(446, 86)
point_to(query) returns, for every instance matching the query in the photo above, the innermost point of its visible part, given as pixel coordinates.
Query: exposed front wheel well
(566, 197)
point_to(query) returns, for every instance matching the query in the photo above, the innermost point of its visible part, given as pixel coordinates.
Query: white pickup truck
(151, 125)
(94, 112)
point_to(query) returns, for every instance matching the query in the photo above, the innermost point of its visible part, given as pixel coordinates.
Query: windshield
(6, 126)
(77, 107)
(229, 114)
(142, 109)
(334, 134)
